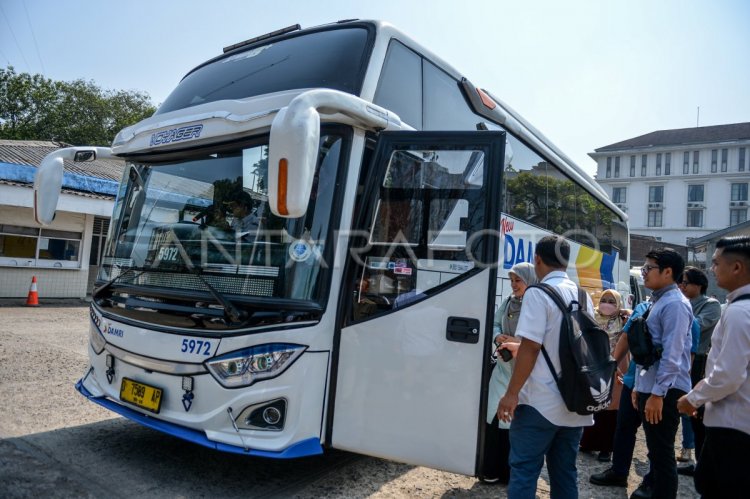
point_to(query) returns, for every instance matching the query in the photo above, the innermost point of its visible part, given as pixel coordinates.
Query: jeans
(688, 437)
(532, 438)
(628, 421)
(660, 440)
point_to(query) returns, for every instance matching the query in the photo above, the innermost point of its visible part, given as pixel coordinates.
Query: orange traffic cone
(33, 299)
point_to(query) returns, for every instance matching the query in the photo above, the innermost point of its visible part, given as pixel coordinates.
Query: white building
(679, 184)
(63, 256)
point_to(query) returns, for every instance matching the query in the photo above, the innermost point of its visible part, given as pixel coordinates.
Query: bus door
(417, 301)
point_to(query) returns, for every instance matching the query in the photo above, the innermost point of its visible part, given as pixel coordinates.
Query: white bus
(309, 242)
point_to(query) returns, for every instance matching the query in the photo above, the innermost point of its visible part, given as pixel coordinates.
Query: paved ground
(55, 444)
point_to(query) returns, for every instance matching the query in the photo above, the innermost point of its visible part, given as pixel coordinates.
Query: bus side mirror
(292, 156)
(47, 186)
(295, 138)
(49, 176)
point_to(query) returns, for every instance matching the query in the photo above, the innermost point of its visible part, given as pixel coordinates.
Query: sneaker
(685, 455)
(609, 477)
(489, 480)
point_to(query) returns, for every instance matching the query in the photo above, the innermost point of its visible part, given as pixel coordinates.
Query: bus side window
(400, 87)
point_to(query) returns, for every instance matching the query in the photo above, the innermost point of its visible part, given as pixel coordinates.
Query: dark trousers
(722, 471)
(496, 452)
(660, 440)
(628, 421)
(697, 372)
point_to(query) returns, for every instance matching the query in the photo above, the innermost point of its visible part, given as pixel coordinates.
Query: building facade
(679, 184)
(64, 256)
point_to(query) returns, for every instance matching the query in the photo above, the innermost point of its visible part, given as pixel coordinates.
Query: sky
(587, 73)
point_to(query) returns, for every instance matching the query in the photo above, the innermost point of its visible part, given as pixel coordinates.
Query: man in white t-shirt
(541, 425)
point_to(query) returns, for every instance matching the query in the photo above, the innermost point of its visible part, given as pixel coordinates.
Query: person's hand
(512, 346)
(506, 408)
(686, 407)
(634, 399)
(619, 376)
(502, 338)
(652, 410)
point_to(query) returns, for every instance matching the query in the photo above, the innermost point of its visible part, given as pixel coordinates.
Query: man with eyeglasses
(658, 387)
(707, 312)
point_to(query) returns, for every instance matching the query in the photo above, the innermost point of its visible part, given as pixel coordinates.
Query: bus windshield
(333, 58)
(200, 226)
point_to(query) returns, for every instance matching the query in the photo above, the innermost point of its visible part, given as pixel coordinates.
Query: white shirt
(540, 322)
(726, 388)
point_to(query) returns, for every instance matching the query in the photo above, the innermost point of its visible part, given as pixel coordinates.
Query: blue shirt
(669, 322)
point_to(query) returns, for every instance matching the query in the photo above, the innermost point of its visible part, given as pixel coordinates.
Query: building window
(737, 216)
(658, 163)
(724, 154)
(714, 159)
(609, 167)
(695, 194)
(617, 167)
(696, 165)
(98, 238)
(656, 194)
(739, 192)
(632, 166)
(667, 163)
(695, 218)
(686, 163)
(643, 165)
(34, 247)
(619, 195)
(654, 218)
(741, 164)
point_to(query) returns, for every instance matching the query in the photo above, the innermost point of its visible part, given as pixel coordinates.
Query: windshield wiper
(107, 284)
(230, 311)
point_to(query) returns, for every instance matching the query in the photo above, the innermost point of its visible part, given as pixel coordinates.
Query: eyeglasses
(648, 268)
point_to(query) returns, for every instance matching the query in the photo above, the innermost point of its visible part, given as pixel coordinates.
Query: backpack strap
(741, 297)
(552, 293)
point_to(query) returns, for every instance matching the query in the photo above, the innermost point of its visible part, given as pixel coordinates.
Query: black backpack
(640, 342)
(588, 368)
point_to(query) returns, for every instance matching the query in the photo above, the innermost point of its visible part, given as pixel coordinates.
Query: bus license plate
(141, 395)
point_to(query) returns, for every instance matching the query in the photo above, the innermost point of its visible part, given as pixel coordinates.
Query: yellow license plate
(141, 395)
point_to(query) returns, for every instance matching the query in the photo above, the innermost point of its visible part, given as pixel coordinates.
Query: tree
(79, 112)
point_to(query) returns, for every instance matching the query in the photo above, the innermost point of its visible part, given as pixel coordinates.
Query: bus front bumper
(308, 447)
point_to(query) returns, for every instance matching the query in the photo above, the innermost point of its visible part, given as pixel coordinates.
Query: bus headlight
(97, 340)
(95, 335)
(245, 367)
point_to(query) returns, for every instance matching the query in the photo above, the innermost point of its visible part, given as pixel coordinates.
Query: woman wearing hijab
(497, 443)
(611, 317)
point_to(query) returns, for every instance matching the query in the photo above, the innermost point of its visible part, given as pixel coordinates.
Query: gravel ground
(50, 344)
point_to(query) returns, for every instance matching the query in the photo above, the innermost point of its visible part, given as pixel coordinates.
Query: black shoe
(687, 470)
(609, 477)
(642, 492)
(604, 457)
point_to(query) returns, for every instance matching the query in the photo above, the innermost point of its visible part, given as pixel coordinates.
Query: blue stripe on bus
(308, 447)
(607, 267)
